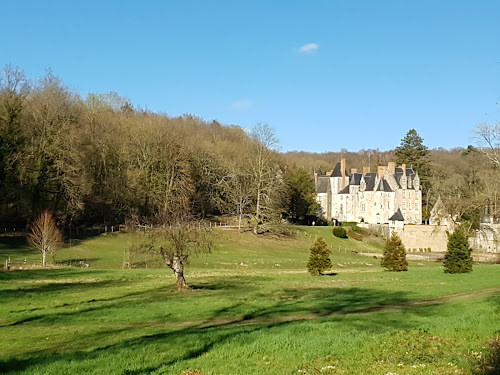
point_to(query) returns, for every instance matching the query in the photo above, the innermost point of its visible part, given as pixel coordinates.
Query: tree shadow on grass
(195, 338)
(49, 274)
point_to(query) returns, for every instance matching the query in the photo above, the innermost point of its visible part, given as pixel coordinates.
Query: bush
(458, 255)
(354, 235)
(319, 258)
(339, 232)
(394, 258)
(356, 229)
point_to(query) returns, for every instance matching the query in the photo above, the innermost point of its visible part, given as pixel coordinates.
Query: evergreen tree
(415, 155)
(394, 258)
(301, 194)
(458, 255)
(319, 258)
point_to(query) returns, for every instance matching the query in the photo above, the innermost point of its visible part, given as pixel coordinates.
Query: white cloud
(309, 48)
(240, 105)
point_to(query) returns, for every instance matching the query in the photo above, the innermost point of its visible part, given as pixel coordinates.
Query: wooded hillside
(101, 160)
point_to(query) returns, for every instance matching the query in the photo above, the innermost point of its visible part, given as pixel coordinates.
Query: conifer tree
(458, 255)
(394, 258)
(319, 258)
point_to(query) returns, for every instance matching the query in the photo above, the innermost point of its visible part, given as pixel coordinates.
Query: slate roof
(322, 185)
(409, 171)
(336, 171)
(344, 190)
(370, 181)
(383, 185)
(355, 178)
(398, 216)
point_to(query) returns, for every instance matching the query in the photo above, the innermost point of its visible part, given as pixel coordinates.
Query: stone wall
(433, 237)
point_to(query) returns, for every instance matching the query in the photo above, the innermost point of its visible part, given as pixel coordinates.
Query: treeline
(100, 160)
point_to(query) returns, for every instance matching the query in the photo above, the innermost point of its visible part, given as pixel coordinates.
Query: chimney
(391, 167)
(380, 171)
(354, 170)
(366, 170)
(315, 178)
(342, 171)
(403, 167)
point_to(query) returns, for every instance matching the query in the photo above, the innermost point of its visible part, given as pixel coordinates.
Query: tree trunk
(239, 223)
(175, 264)
(178, 268)
(44, 256)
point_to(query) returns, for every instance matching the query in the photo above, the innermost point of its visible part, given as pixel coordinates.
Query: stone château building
(376, 198)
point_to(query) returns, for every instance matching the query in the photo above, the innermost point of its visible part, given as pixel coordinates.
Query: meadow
(252, 309)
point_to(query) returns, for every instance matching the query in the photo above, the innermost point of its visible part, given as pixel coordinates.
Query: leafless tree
(45, 235)
(488, 139)
(178, 243)
(264, 172)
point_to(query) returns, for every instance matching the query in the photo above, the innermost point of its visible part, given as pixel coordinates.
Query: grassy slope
(252, 310)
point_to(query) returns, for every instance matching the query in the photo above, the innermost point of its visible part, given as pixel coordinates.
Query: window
(404, 193)
(363, 207)
(404, 205)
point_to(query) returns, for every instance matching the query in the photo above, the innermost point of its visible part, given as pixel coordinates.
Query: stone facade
(370, 197)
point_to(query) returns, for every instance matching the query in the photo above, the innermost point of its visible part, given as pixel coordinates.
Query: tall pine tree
(458, 257)
(415, 155)
(394, 258)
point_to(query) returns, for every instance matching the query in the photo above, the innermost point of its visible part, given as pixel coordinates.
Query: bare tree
(264, 172)
(180, 241)
(488, 139)
(45, 235)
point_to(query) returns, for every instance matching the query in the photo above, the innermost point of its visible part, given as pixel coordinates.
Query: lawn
(252, 310)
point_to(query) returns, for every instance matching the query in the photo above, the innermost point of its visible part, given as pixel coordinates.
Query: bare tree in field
(180, 241)
(45, 235)
(265, 174)
(176, 241)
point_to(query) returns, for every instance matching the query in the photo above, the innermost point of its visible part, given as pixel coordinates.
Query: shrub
(319, 258)
(354, 235)
(394, 258)
(458, 255)
(339, 232)
(356, 229)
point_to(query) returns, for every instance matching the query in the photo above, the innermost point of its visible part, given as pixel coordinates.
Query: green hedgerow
(458, 257)
(394, 258)
(339, 232)
(319, 258)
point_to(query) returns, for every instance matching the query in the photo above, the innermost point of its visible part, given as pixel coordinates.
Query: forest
(99, 159)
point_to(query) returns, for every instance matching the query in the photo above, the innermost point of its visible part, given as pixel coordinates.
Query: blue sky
(325, 75)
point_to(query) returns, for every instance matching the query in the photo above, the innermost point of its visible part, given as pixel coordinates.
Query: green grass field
(252, 310)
